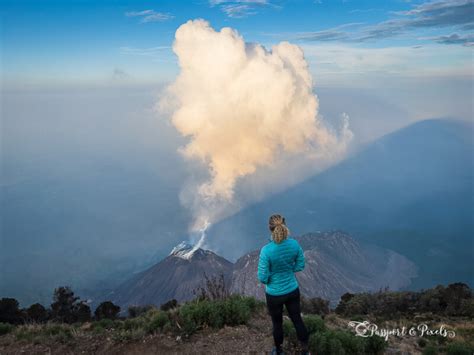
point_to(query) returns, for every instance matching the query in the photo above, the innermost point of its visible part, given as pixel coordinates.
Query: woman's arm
(263, 268)
(299, 263)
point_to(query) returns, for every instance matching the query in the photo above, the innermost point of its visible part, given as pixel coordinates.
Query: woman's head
(277, 226)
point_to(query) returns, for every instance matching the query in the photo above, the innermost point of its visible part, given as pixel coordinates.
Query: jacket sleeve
(263, 268)
(299, 263)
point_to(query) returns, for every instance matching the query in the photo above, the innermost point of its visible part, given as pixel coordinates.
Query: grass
(45, 333)
(5, 328)
(327, 336)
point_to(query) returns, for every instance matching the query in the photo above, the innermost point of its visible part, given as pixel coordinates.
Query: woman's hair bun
(277, 226)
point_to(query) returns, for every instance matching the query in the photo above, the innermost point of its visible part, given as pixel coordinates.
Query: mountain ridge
(335, 263)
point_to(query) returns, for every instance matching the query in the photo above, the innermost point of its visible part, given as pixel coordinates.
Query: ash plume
(243, 108)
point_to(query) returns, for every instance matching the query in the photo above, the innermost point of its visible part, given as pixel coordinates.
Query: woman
(279, 260)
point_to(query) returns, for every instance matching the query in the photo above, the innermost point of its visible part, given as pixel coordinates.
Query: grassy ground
(153, 334)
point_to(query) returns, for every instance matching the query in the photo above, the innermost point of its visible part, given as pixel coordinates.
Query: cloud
(154, 52)
(239, 8)
(252, 110)
(467, 40)
(333, 34)
(119, 74)
(435, 14)
(150, 16)
(349, 65)
(360, 11)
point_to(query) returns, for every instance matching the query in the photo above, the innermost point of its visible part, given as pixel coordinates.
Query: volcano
(177, 276)
(335, 264)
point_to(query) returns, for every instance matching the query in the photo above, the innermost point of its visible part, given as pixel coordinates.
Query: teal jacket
(277, 266)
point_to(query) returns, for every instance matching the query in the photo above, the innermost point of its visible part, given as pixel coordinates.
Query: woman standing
(279, 260)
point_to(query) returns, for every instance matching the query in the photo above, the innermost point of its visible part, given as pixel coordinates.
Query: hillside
(335, 264)
(176, 276)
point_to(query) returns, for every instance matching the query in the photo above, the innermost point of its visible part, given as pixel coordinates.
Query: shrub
(199, 314)
(5, 328)
(314, 323)
(169, 305)
(459, 348)
(252, 303)
(37, 313)
(82, 312)
(351, 343)
(289, 332)
(134, 323)
(235, 311)
(454, 300)
(232, 311)
(97, 329)
(327, 341)
(375, 345)
(430, 350)
(58, 332)
(63, 305)
(215, 288)
(157, 322)
(422, 342)
(315, 305)
(136, 311)
(9, 311)
(23, 333)
(107, 310)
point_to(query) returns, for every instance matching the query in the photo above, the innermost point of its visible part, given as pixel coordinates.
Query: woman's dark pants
(275, 308)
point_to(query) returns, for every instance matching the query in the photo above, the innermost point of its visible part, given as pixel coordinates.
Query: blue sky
(95, 171)
(103, 42)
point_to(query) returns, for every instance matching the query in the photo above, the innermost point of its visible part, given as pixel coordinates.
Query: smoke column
(242, 107)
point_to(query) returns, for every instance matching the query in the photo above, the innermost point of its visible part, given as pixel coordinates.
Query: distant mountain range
(335, 264)
(410, 191)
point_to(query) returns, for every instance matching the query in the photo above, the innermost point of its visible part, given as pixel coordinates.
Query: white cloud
(150, 16)
(342, 63)
(239, 8)
(145, 52)
(252, 111)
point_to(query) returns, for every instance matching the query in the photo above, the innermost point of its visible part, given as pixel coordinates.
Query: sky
(346, 43)
(91, 176)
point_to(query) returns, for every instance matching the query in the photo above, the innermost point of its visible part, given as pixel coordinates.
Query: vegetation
(69, 318)
(107, 310)
(5, 328)
(37, 313)
(9, 311)
(67, 308)
(214, 288)
(315, 305)
(233, 310)
(135, 311)
(327, 341)
(454, 300)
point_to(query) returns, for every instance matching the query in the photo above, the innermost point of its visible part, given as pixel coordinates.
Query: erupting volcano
(244, 109)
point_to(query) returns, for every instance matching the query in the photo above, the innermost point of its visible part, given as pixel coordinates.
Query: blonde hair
(277, 226)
